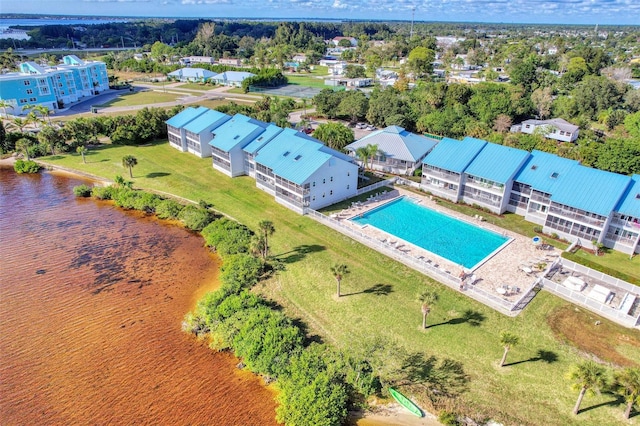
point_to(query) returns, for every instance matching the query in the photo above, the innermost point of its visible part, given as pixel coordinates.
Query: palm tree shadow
(298, 253)
(546, 356)
(471, 317)
(157, 174)
(377, 290)
(613, 403)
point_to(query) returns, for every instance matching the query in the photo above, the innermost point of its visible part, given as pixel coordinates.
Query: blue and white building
(298, 170)
(53, 86)
(176, 126)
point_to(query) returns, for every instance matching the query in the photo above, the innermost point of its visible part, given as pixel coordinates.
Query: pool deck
(505, 277)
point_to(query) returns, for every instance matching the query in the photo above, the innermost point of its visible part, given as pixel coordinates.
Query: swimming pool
(450, 238)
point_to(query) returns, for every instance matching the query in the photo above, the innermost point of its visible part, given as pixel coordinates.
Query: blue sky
(508, 11)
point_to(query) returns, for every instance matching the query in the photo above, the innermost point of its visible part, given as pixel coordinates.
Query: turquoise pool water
(457, 241)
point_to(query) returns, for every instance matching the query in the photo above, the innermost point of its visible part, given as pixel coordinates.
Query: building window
(314, 183)
(27, 83)
(23, 101)
(313, 198)
(348, 173)
(331, 178)
(29, 92)
(331, 192)
(32, 99)
(324, 181)
(323, 195)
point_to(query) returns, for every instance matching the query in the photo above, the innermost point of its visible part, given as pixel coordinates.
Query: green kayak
(406, 402)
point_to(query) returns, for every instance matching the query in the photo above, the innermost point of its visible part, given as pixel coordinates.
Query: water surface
(92, 300)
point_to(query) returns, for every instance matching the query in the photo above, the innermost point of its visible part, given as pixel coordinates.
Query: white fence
(616, 315)
(374, 186)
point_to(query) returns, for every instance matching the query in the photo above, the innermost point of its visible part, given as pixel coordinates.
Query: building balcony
(452, 177)
(484, 199)
(577, 217)
(628, 224)
(540, 199)
(494, 189)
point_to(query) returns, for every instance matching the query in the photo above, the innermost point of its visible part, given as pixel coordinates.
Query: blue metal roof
(544, 172)
(294, 156)
(210, 119)
(454, 155)
(199, 73)
(269, 133)
(630, 204)
(240, 130)
(591, 190)
(186, 115)
(397, 143)
(497, 163)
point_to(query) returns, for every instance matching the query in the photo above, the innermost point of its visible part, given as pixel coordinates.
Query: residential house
(335, 67)
(443, 168)
(228, 141)
(176, 126)
(189, 60)
(231, 78)
(194, 75)
(301, 172)
(487, 182)
(399, 151)
(556, 128)
(234, 62)
(199, 132)
(352, 41)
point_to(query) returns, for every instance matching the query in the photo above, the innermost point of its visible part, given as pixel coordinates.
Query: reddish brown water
(91, 303)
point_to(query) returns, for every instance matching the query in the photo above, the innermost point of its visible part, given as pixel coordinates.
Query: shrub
(124, 198)
(146, 201)
(195, 218)
(227, 237)
(82, 191)
(26, 166)
(102, 192)
(168, 209)
(537, 229)
(240, 271)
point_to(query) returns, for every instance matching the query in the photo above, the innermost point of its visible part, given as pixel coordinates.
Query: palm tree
(257, 245)
(588, 376)
(627, 384)
(23, 145)
(19, 123)
(427, 298)
(82, 150)
(129, 161)
(363, 154)
(339, 270)
(507, 340)
(267, 228)
(45, 112)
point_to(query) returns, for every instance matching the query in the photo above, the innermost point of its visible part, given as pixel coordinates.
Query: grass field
(141, 98)
(379, 300)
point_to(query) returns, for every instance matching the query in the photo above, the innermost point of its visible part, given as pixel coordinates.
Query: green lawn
(379, 297)
(140, 98)
(195, 86)
(306, 80)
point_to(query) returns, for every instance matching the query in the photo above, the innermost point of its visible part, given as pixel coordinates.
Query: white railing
(374, 186)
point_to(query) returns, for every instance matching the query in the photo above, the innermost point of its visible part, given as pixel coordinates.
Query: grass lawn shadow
(613, 403)
(546, 356)
(377, 290)
(157, 175)
(298, 253)
(471, 317)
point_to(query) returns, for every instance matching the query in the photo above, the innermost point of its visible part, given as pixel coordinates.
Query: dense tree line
(147, 125)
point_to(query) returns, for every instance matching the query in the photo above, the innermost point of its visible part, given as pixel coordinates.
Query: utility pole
(413, 12)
